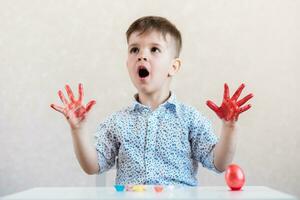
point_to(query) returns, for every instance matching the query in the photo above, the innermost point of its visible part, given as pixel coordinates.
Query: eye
(134, 50)
(155, 50)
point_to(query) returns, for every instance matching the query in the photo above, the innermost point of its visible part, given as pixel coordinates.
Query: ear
(175, 67)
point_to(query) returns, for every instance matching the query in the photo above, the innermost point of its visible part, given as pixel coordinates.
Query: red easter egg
(235, 177)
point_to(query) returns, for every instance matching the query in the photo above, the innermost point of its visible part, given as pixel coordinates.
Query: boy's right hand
(74, 111)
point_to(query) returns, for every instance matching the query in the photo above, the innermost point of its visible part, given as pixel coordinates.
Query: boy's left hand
(231, 107)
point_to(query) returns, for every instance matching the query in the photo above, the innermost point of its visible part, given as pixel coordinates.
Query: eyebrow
(136, 44)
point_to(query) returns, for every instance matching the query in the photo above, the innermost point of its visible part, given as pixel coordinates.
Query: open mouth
(143, 72)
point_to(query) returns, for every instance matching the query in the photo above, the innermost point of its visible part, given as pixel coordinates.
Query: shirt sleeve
(203, 141)
(106, 145)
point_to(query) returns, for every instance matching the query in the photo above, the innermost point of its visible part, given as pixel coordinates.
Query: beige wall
(45, 44)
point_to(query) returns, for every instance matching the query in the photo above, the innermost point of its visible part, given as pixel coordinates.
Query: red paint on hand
(73, 108)
(231, 107)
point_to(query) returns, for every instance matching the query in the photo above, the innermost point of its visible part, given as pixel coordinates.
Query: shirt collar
(170, 103)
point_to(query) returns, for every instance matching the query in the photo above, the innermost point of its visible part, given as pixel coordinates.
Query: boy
(156, 140)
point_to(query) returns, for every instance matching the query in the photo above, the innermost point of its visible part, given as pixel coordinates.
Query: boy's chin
(145, 89)
(150, 88)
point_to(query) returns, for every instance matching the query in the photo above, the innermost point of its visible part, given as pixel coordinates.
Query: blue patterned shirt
(163, 146)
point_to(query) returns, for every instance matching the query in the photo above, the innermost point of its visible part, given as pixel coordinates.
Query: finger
(245, 99)
(244, 108)
(90, 105)
(57, 108)
(212, 106)
(70, 93)
(62, 98)
(80, 91)
(226, 92)
(238, 92)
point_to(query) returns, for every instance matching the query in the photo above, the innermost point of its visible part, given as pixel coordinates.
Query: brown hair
(160, 24)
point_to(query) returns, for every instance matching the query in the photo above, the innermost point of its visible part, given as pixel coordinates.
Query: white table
(188, 193)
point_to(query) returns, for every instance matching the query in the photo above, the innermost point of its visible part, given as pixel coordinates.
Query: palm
(73, 110)
(231, 107)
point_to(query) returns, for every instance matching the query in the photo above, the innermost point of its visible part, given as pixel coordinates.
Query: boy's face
(151, 61)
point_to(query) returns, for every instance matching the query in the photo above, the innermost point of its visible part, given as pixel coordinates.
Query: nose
(142, 56)
(140, 59)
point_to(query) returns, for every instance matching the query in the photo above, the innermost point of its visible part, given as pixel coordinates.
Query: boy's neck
(153, 100)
